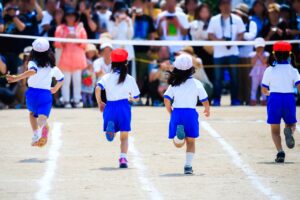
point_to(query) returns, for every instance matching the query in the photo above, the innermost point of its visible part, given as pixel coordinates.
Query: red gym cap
(119, 55)
(282, 46)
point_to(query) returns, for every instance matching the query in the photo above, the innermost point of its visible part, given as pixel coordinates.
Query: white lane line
(237, 160)
(145, 183)
(46, 181)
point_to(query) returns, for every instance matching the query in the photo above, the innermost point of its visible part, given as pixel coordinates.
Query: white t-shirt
(104, 19)
(100, 65)
(248, 36)
(281, 79)
(170, 31)
(47, 18)
(186, 95)
(43, 77)
(227, 30)
(115, 91)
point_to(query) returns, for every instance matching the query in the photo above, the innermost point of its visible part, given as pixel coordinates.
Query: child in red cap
(279, 82)
(120, 88)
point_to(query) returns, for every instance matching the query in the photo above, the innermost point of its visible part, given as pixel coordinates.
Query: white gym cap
(40, 45)
(259, 42)
(105, 44)
(183, 62)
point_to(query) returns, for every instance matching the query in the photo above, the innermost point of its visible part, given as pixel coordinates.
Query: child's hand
(101, 106)
(11, 78)
(53, 90)
(206, 112)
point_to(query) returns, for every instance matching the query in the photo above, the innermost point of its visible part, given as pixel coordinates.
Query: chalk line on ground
(237, 160)
(146, 184)
(45, 183)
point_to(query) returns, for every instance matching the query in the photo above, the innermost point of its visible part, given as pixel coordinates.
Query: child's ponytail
(120, 67)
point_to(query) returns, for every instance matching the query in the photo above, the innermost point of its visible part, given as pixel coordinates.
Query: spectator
(172, 25)
(1, 18)
(89, 19)
(120, 27)
(73, 59)
(287, 23)
(102, 65)
(45, 25)
(158, 76)
(242, 10)
(143, 30)
(225, 27)
(104, 14)
(198, 31)
(259, 15)
(190, 7)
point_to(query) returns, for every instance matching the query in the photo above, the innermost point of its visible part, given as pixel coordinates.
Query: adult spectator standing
(72, 60)
(143, 30)
(48, 14)
(172, 25)
(1, 18)
(104, 14)
(89, 19)
(190, 7)
(226, 27)
(242, 10)
(259, 14)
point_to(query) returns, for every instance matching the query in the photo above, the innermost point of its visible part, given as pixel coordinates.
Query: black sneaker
(280, 157)
(123, 163)
(188, 170)
(289, 139)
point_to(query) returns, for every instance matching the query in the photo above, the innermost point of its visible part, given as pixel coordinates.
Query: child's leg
(33, 122)
(275, 129)
(84, 99)
(190, 151)
(42, 122)
(124, 144)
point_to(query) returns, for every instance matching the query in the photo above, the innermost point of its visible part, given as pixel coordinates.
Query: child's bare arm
(298, 86)
(16, 78)
(168, 105)
(100, 103)
(206, 108)
(265, 91)
(57, 87)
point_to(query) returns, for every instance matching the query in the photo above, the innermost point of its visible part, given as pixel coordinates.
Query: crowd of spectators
(222, 69)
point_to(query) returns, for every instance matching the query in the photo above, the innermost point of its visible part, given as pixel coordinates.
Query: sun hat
(40, 45)
(183, 62)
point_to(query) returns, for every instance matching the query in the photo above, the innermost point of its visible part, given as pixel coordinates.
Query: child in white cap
(180, 100)
(41, 70)
(259, 60)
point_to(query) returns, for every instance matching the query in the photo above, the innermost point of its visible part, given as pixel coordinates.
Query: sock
(178, 141)
(189, 159)
(123, 155)
(280, 151)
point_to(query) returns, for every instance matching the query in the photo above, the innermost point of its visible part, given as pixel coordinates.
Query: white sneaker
(36, 137)
(78, 105)
(68, 105)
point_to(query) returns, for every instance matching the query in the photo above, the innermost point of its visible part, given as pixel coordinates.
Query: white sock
(123, 155)
(178, 141)
(189, 158)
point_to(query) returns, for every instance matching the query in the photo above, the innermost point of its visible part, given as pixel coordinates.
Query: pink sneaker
(43, 141)
(123, 163)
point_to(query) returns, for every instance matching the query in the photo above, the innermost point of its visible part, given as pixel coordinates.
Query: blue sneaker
(180, 132)
(235, 102)
(110, 131)
(216, 102)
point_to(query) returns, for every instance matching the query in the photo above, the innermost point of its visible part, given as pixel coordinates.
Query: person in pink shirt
(72, 60)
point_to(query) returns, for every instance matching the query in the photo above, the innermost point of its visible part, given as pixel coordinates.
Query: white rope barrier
(148, 42)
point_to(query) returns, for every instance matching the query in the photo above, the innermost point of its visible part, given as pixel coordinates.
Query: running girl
(180, 100)
(39, 94)
(278, 83)
(120, 88)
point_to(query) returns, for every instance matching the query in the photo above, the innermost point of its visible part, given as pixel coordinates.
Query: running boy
(41, 69)
(119, 87)
(278, 83)
(180, 100)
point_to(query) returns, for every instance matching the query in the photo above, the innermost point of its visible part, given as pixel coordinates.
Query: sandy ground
(234, 159)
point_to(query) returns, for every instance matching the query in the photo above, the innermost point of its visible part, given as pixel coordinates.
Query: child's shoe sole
(289, 139)
(110, 131)
(43, 141)
(180, 132)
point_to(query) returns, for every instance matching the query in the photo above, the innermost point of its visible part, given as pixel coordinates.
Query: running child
(259, 60)
(120, 88)
(41, 70)
(180, 100)
(278, 83)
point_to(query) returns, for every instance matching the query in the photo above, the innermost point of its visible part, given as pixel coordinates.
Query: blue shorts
(188, 117)
(118, 112)
(281, 106)
(39, 101)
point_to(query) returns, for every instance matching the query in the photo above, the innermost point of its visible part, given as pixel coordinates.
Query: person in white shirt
(48, 14)
(41, 70)
(104, 14)
(180, 100)
(172, 24)
(225, 27)
(102, 65)
(279, 82)
(120, 88)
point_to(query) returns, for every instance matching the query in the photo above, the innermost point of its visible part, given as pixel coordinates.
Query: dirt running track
(234, 159)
